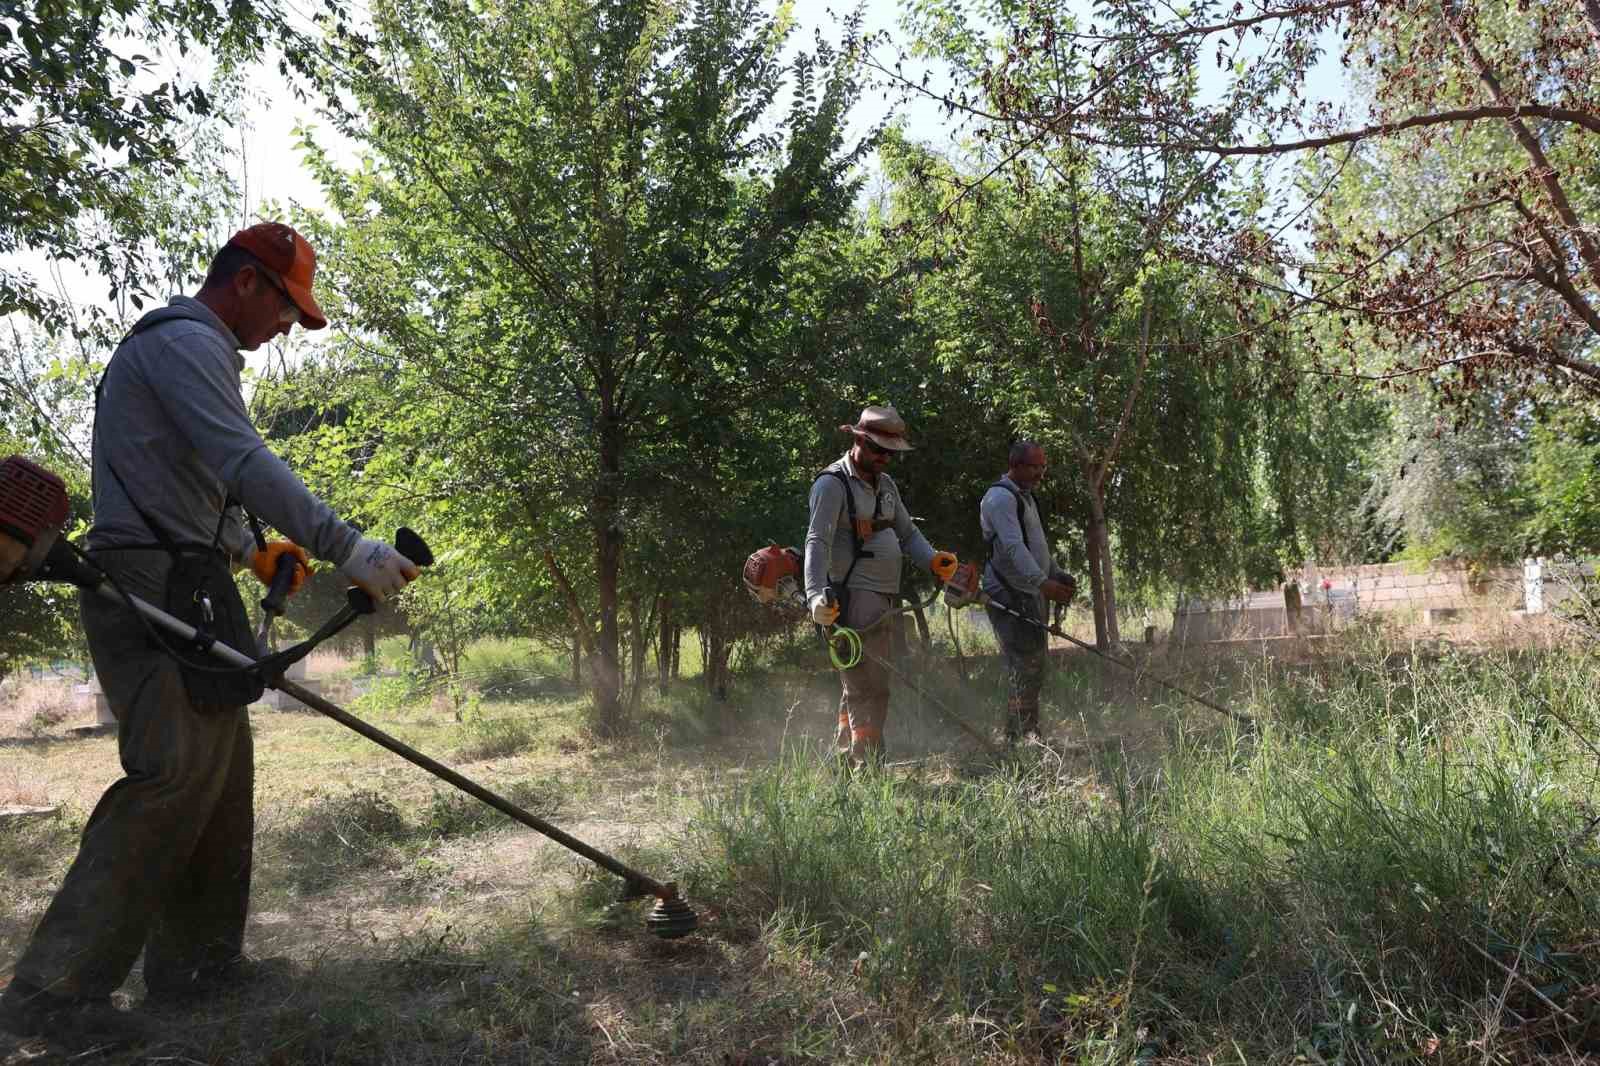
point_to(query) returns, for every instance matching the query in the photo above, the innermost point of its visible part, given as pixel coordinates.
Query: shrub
(495, 738)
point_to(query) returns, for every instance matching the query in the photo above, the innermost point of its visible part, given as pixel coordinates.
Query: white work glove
(378, 569)
(824, 613)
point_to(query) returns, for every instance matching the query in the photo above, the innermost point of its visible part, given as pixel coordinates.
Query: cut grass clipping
(365, 830)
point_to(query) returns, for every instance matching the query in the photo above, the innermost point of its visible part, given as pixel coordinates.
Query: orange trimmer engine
(33, 508)
(963, 588)
(772, 575)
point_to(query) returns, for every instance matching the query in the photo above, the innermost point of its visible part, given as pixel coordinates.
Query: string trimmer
(772, 574)
(33, 509)
(965, 590)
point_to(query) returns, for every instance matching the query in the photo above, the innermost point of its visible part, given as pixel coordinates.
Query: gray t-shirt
(830, 547)
(1023, 566)
(171, 420)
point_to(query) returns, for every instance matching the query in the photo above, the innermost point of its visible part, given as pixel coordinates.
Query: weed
(1338, 885)
(514, 670)
(44, 722)
(32, 846)
(495, 738)
(338, 834)
(453, 814)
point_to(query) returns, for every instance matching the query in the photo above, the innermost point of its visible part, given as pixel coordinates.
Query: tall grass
(1396, 865)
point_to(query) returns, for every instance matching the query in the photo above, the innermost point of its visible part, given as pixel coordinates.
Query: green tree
(1450, 479)
(94, 107)
(1063, 280)
(567, 227)
(1563, 478)
(1474, 126)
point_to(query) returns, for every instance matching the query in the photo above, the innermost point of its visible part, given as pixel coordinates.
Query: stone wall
(1329, 597)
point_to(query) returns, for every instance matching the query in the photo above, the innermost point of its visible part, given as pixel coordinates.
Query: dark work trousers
(864, 701)
(164, 864)
(1023, 645)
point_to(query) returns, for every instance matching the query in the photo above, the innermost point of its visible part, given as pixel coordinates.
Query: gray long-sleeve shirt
(830, 547)
(1024, 566)
(171, 419)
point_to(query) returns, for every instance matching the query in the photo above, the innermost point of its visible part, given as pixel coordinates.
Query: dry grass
(422, 932)
(444, 936)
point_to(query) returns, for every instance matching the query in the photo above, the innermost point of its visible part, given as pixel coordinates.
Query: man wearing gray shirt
(854, 547)
(164, 863)
(1021, 575)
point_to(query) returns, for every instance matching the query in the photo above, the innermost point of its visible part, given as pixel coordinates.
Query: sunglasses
(291, 310)
(875, 448)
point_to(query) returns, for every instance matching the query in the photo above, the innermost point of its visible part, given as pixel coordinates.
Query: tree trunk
(582, 633)
(608, 568)
(664, 645)
(1097, 599)
(369, 636)
(714, 649)
(577, 660)
(638, 648)
(724, 652)
(1101, 578)
(677, 651)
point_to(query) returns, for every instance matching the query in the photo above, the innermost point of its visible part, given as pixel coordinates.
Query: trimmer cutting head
(671, 917)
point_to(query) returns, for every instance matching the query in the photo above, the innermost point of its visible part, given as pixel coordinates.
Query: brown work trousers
(164, 864)
(864, 702)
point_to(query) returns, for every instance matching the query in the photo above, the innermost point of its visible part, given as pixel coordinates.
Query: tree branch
(1269, 15)
(1530, 144)
(1065, 125)
(1591, 8)
(1553, 275)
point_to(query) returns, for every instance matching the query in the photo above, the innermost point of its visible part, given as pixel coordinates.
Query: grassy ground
(1397, 865)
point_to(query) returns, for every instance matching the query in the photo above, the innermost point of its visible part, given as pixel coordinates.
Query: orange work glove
(264, 563)
(824, 612)
(943, 566)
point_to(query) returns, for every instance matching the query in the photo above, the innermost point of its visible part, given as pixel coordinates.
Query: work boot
(78, 1025)
(232, 977)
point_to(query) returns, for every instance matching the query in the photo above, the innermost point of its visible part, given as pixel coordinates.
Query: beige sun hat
(882, 425)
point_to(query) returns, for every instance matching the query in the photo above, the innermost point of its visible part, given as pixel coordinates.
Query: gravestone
(89, 700)
(300, 675)
(1533, 586)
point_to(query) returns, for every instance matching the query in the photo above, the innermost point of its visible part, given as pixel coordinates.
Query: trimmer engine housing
(33, 508)
(772, 574)
(964, 589)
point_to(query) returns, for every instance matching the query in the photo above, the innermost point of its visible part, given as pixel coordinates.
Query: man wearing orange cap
(164, 864)
(859, 530)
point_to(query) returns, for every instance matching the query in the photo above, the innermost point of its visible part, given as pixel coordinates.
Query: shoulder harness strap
(1021, 524)
(167, 542)
(857, 543)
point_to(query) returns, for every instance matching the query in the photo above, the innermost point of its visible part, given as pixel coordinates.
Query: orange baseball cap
(284, 252)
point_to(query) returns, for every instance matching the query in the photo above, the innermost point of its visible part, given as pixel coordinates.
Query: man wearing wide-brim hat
(859, 532)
